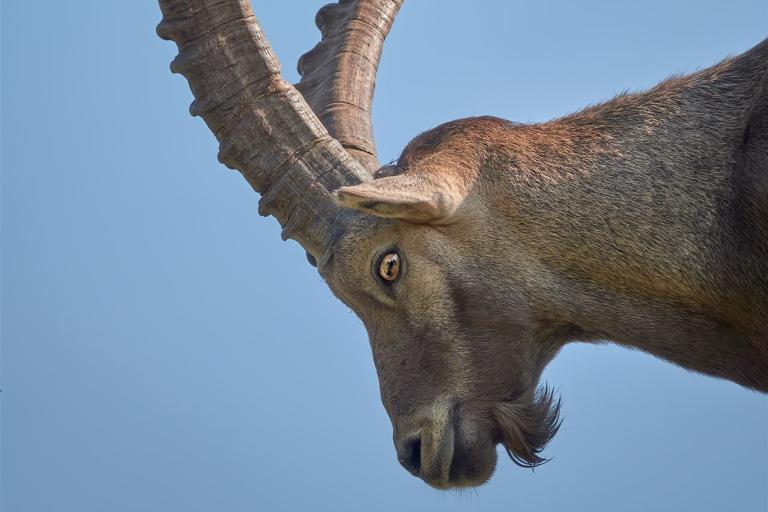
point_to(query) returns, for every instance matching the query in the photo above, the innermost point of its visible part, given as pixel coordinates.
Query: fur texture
(642, 221)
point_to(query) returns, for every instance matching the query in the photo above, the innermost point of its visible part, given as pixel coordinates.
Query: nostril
(410, 455)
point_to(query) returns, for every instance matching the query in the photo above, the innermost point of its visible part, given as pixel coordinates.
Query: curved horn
(265, 128)
(339, 74)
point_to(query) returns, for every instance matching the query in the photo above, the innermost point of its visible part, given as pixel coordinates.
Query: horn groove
(265, 128)
(338, 76)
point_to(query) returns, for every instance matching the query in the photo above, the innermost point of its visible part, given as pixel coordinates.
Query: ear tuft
(404, 197)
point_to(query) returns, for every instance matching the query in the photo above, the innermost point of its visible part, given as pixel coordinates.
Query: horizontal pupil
(389, 266)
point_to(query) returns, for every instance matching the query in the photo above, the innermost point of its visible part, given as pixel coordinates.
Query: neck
(637, 210)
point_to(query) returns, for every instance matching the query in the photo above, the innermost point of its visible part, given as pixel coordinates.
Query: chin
(473, 464)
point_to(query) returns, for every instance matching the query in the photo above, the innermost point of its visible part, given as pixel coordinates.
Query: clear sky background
(163, 350)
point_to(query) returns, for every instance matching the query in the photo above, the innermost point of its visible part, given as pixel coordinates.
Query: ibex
(489, 245)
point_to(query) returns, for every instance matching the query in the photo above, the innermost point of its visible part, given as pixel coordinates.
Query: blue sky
(162, 349)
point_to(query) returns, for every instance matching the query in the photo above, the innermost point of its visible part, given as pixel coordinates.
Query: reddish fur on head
(631, 221)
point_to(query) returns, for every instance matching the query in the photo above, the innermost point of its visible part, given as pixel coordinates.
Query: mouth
(473, 464)
(455, 450)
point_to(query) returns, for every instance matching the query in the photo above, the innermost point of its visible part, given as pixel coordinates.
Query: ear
(407, 197)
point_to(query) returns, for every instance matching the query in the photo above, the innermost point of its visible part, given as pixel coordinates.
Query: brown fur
(643, 221)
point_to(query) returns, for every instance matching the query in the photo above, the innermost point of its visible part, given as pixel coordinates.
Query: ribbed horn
(338, 76)
(264, 126)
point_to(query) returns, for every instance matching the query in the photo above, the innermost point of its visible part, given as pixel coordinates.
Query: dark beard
(527, 424)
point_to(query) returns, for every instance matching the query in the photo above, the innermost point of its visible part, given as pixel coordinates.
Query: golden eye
(389, 267)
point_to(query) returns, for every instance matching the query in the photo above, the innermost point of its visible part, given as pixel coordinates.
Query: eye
(389, 267)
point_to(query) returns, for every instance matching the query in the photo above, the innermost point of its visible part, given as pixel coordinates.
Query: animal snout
(409, 454)
(428, 454)
(447, 444)
(427, 451)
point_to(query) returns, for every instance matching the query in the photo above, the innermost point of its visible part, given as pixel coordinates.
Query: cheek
(487, 306)
(495, 325)
(440, 348)
(426, 298)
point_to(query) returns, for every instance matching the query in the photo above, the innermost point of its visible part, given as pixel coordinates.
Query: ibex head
(468, 259)
(457, 345)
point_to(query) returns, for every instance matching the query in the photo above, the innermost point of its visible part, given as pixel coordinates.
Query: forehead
(462, 136)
